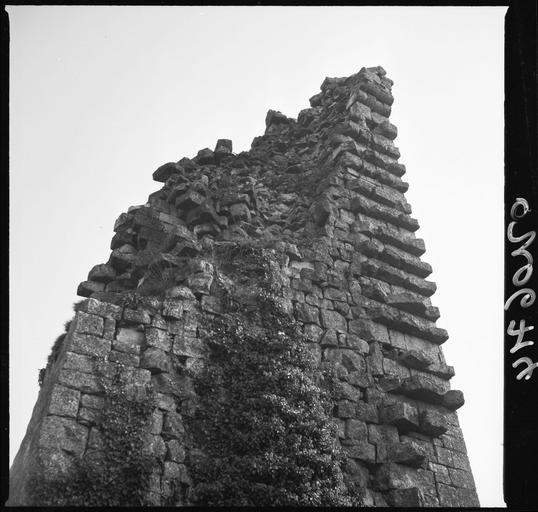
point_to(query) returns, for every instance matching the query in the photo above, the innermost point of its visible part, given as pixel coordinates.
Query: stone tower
(325, 193)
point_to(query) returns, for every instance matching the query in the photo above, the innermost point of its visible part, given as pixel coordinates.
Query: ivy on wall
(118, 473)
(264, 414)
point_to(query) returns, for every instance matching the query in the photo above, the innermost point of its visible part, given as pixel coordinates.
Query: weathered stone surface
(453, 399)
(457, 497)
(88, 344)
(92, 401)
(401, 415)
(424, 388)
(155, 360)
(85, 382)
(324, 196)
(173, 426)
(411, 497)
(175, 451)
(80, 362)
(362, 450)
(165, 171)
(129, 340)
(407, 453)
(333, 320)
(307, 314)
(104, 309)
(433, 423)
(356, 429)
(158, 338)
(63, 433)
(64, 401)
(102, 273)
(396, 476)
(136, 316)
(88, 324)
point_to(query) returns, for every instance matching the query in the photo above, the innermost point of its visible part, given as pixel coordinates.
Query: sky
(102, 96)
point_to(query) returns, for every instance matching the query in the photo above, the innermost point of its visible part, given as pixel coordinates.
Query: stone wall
(326, 191)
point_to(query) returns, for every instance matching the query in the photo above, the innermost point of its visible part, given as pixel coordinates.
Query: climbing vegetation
(264, 416)
(116, 472)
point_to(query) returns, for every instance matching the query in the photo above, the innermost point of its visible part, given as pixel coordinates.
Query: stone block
(367, 412)
(382, 434)
(432, 423)
(92, 401)
(352, 361)
(454, 442)
(165, 171)
(155, 446)
(391, 367)
(401, 415)
(410, 497)
(173, 426)
(64, 401)
(124, 358)
(88, 344)
(134, 376)
(453, 399)
(396, 476)
(333, 320)
(461, 478)
(361, 379)
(307, 314)
(313, 332)
(354, 342)
(55, 463)
(136, 316)
(427, 389)
(188, 347)
(87, 288)
(204, 157)
(95, 439)
(86, 323)
(165, 402)
(155, 360)
(200, 283)
(362, 450)
(440, 472)
(129, 340)
(418, 359)
(176, 308)
(79, 362)
(99, 308)
(356, 429)
(407, 453)
(330, 339)
(369, 331)
(85, 382)
(345, 409)
(88, 416)
(158, 338)
(109, 329)
(63, 433)
(455, 497)
(175, 451)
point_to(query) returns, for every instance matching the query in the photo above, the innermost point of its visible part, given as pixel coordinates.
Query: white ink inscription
(520, 278)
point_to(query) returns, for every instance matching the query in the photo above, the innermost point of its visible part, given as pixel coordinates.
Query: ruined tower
(323, 195)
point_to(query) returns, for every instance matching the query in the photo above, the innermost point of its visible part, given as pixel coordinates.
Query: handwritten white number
(519, 202)
(520, 333)
(527, 372)
(526, 301)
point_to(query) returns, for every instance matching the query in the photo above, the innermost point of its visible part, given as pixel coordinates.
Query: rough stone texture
(326, 190)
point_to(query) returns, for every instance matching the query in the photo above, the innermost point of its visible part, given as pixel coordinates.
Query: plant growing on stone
(115, 473)
(264, 418)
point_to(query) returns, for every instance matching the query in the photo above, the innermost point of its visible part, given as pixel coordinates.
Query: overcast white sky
(101, 96)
